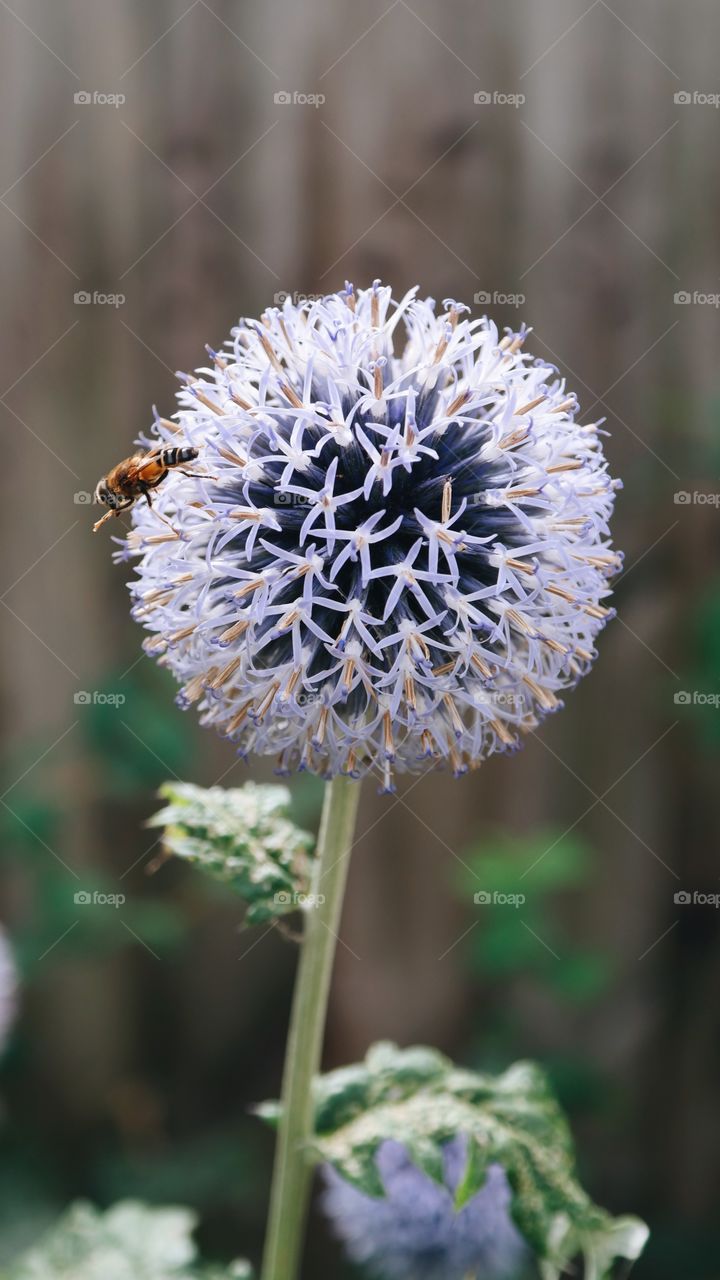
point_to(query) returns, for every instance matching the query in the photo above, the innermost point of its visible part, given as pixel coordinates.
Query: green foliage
(703, 676)
(138, 741)
(208, 1170)
(526, 939)
(127, 746)
(419, 1098)
(27, 837)
(128, 1242)
(243, 837)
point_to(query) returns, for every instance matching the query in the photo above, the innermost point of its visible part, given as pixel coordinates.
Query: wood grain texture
(201, 197)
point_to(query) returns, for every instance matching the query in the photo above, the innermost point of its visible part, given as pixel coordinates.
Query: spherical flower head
(415, 1232)
(393, 547)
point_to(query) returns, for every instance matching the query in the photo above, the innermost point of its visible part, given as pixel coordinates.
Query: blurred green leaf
(525, 938)
(555, 861)
(418, 1098)
(134, 730)
(243, 837)
(128, 1242)
(203, 1170)
(584, 976)
(90, 918)
(703, 678)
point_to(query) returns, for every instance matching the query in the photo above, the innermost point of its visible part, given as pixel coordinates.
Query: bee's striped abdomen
(175, 457)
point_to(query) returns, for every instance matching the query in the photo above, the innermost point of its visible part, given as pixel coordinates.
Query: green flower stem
(292, 1176)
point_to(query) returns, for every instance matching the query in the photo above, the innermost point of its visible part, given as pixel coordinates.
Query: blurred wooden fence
(399, 173)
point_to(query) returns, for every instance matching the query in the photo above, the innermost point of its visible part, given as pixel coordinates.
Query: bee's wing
(143, 462)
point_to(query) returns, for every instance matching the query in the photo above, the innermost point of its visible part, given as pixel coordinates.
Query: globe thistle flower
(395, 547)
(415, 1232)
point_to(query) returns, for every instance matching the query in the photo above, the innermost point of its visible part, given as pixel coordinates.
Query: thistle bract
(394, 547)
(415, 1232)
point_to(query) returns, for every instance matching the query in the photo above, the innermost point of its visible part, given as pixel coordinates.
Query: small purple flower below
(415, 1232)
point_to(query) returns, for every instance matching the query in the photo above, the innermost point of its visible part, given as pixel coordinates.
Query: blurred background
(164, 169)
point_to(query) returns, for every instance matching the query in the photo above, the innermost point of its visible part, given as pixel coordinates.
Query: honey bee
(136, 476)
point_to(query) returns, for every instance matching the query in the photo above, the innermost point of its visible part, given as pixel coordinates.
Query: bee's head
(104, 494)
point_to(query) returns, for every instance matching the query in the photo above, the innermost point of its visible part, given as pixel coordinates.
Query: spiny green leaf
(418, 1063)
(600, 1243)
(270, 1112)
(420, 1099)
(243, 837)
(426, 1153)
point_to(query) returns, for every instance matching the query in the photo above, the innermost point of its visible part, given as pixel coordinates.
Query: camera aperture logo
(483, 898)
(303, 901)
(86, 898)
(696, 899)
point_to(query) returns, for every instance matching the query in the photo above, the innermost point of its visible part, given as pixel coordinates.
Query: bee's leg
(199, 475)
(164, 519)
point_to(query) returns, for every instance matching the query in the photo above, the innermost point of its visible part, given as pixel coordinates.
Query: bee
(136, 476)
